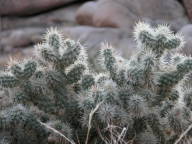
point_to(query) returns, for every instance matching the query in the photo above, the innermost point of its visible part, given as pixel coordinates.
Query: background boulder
(125, 13)
(29, 7)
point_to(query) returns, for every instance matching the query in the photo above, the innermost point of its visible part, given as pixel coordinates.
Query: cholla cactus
(45, 84)
(144, 99)
(24, 126)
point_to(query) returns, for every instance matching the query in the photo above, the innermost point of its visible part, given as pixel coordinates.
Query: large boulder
(124, 13)
(63, 16)
(19, 38)
(188, 6)
(186, 31)
(28, 7)
(105, 14)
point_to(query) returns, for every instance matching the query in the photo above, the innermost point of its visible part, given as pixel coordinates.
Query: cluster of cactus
(146, 99)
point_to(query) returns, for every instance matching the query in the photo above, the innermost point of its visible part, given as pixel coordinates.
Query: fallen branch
(90, 119)
(183, 134)
(57, 132)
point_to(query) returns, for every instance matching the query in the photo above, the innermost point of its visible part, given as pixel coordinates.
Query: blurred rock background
(23, 22)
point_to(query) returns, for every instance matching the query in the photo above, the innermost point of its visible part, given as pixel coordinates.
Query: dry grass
(116, 134)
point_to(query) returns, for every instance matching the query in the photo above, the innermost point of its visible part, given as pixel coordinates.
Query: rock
(85, 13)
(124, 13)
(92, 38)
(18, 55)
(105, 14)
(63, 16)
(188, 6)
(187, 33)
(14, 39)
(29, 7)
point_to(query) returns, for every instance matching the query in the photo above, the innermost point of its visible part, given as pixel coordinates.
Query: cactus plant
(144, 99)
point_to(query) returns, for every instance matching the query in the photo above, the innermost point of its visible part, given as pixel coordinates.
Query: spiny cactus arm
(187, 98)
(158, 40)
(137, 106)
(98, 95)
(185, 66)
(40, 73)
(112, 114)
(101, 78)
(175, 123)
(72, 113)
(39, 88)
(139, 125)
(21, 98)
(60, 52)
(16, 70)
(174, 96)
(87, 81)
(29, 69)
(19, 116)
(33, 93)
(54, 79)
(61, 98)
(165, 83)
(136, 77)
(121, 78)
(168, 80)
(109, 60)
(141, 73)
(167, 39)
(173, 43)
(111, 97)
(54, 39)
(27, 88)
(146, 94)
(166, 97)
(8, 81)
(45, 104)
(24, 70)
(186, 114)
(178, 58)
(37, 94)
(124, 96)
(70, 44)
(144, 34)
(47, 54)
(179, 120)
(148, 39)
(148, 62)
(75, 73)
(72, 53)
(87, 103)
(29, 94)
(165, 108)
(107, 92)
(153, 121)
